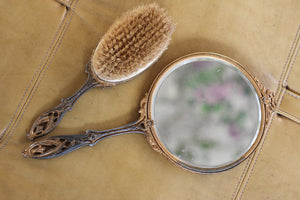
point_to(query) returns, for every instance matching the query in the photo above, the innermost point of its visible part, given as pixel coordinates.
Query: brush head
(132, 43)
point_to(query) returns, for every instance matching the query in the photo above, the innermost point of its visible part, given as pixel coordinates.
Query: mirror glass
(206, 112)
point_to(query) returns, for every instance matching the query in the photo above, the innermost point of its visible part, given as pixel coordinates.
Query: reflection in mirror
(206, 112)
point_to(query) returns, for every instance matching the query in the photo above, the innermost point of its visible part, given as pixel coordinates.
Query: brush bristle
(132, 43)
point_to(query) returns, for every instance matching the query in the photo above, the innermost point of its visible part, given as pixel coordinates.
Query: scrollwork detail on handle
(48, 147)
(49, 120)
(60, 145)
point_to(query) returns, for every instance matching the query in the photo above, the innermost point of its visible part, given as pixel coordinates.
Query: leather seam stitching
(65, 3)
(292, 94)
(242, 177)
(41, 72)
(282, 111)
(259, 150)
(280, 88)
(287, 60)
(3, 135)
(293, 62)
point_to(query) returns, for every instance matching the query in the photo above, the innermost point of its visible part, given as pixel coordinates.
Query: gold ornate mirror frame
(59, 145)
(266, 101)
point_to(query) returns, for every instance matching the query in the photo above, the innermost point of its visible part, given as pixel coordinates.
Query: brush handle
(46, 122)
(59, 145)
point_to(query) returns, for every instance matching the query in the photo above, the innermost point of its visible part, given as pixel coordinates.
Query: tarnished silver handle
(49, 120)
(59, 145)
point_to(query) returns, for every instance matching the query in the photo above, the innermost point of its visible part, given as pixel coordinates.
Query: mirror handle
(59, 145)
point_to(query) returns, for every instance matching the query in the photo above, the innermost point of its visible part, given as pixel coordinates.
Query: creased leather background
(44, 48)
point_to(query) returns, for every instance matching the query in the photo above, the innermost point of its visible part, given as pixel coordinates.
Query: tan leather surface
(44, 49)
(291, 105)
(24, 39)
(275, 174)
(294, 73)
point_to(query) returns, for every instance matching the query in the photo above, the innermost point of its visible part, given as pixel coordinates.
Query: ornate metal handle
(49, 120)
(59, 145)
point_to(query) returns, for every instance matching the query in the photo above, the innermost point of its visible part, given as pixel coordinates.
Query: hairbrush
(128, 48)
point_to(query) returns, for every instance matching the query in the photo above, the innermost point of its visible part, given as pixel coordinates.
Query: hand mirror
(204, 112)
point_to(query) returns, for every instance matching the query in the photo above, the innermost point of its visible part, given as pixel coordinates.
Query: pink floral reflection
(201, 64)
(234, 131)
(214, 93)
